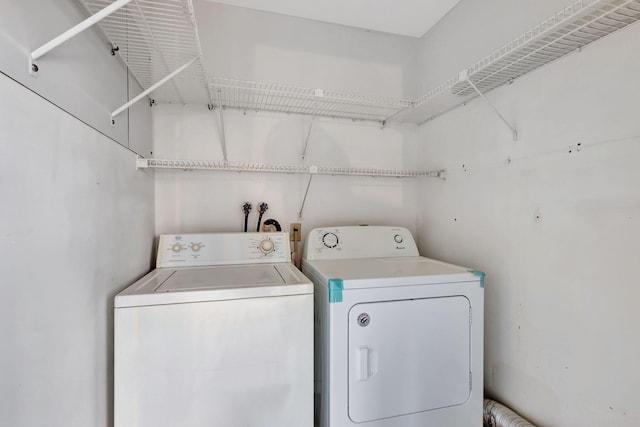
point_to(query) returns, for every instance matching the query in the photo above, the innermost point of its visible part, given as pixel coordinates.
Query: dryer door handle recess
(363, 363)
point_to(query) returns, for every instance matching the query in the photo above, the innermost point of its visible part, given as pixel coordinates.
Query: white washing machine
(220, 334)
(399, 337)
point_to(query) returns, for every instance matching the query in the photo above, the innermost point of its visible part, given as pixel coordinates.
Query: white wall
(210, 201)
(555, 229)
(253, 45)
(80, 76)
(260, 46)
(76, 222)
(76, 226)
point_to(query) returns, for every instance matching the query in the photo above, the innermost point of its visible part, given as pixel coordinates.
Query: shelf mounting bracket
(73, 31)
(464, 76)
(312, 171)
(223, 138)
(306, 142)
(151, 89)
(141, 163)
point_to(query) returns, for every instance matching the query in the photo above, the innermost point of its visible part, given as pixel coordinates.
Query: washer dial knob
(196, 247)
(398, 238)
(330, 240)
(176, 247)
(266, 246)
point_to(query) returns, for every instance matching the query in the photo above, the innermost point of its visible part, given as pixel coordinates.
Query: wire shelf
(248, 95)
(154, 38)
(567, 31)
(571, 29)
(287, 169)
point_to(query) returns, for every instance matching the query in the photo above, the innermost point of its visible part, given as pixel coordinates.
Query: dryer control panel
(192, 250)
(359, 242)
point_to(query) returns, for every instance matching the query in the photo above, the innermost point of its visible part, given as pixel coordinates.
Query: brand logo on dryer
(399, 239)
(364, 319)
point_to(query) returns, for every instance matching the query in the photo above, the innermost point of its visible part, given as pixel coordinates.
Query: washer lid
(236, 278)
(198, 284)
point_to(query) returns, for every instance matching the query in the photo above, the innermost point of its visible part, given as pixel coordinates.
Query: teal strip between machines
(480, 274)
(335, 290)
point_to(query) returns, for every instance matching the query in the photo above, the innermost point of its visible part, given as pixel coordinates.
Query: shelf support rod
(75, 30)
(306, 143)
(312, 171)
(464, 76)
(151, 89)
(223, 138)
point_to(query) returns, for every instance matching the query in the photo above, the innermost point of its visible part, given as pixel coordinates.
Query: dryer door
(408, 356)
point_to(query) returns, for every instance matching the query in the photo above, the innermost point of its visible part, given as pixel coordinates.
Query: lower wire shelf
(142, 163)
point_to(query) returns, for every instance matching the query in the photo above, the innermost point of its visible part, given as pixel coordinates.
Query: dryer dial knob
(398, 238)
(330, 240)
(266, 246)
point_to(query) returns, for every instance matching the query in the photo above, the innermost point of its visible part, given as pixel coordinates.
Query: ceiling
(410, 18)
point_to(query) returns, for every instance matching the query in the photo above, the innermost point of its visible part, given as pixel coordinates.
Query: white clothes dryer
(219, 334)
(399, 337)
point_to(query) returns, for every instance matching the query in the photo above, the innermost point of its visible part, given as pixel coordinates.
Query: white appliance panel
(191, 250)
(220, 334)
(408, 356)
(224, 363)
(359, 242)
(422, 364)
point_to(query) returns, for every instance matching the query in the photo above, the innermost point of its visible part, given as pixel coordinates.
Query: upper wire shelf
(569, 30)
(157, 37)
(248, 95)
(574, 27)
(154, 38)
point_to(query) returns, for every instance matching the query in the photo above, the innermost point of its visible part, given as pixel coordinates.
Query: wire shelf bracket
(72, 32)
(154, 38)
(464, 77)
(151, 89)
(306, 142)
(223, 137)
(312, 171)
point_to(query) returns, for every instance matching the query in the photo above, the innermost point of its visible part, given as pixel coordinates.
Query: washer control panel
(359, 242)
(189, 250)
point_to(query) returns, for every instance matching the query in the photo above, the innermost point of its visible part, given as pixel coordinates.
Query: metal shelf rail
(142, 163)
